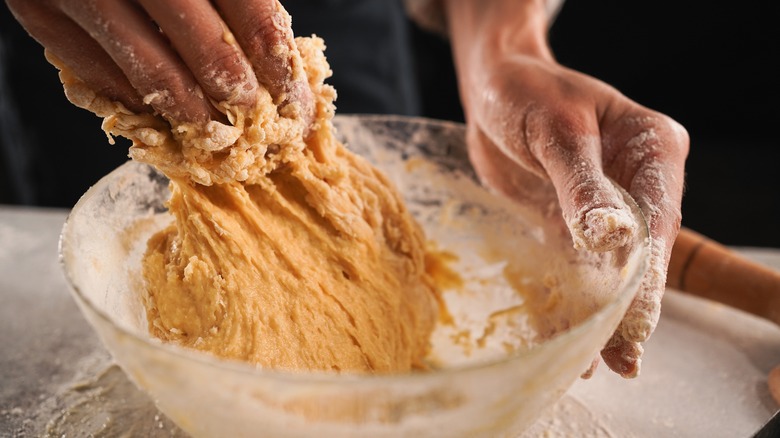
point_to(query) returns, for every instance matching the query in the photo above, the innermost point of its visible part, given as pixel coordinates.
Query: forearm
(485, 33)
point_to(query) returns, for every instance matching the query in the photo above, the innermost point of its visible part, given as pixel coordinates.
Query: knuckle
(267, 47)
(675, 134)
(651, 138)
(264, 34)
(167, 91)
(663, 213)
(541, 124)
(224, 72)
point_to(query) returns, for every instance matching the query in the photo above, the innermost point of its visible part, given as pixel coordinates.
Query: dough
(286, 253)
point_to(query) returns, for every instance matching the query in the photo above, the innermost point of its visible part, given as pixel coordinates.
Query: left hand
(527, 114)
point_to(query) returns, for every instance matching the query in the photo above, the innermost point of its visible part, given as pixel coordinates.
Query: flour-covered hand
(530, 117)
(179, 58)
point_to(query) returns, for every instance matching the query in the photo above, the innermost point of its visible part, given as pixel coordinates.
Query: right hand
(173, 57)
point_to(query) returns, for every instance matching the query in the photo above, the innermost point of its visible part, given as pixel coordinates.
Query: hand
(575, 130)
(177, 57)
(527, 114)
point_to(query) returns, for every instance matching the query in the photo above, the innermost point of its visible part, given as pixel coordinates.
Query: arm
(528, 116)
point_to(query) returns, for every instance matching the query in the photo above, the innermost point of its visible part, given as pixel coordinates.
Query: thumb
(592, 207)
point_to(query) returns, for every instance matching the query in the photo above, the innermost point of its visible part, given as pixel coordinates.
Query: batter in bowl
(287, 250)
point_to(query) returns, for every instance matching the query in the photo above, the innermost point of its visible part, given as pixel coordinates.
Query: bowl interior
(521, 297)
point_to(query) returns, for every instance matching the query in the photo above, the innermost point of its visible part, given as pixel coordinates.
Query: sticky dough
(286, 253)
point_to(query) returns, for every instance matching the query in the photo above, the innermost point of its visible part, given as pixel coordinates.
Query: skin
(530, 117)
(527, 116)
(176, 52)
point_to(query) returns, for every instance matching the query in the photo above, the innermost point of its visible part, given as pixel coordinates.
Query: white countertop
(704, 370)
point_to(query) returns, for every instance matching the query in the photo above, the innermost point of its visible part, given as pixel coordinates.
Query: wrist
(484, 34)
(490, 30)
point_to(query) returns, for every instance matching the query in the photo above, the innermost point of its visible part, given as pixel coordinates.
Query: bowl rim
(631, 287)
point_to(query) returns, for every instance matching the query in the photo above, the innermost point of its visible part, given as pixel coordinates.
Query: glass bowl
(525, 313)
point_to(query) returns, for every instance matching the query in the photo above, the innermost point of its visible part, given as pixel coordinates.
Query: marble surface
(704, 370)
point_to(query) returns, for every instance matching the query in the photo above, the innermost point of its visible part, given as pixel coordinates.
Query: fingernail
(623, 357)
(631, 368)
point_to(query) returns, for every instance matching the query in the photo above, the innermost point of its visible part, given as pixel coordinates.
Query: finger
(651, 166)
(153, 68)
(86, 59)
(500, 173)
(622, 356)
(568, 147)
(204, 43)
(264, 30)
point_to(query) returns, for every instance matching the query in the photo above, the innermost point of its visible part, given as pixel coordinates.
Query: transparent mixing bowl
(527, 314)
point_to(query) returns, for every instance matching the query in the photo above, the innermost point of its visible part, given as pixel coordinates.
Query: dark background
(712, 66)
(709, 65)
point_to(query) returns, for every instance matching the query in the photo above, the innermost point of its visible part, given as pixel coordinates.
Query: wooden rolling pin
(703, 267)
